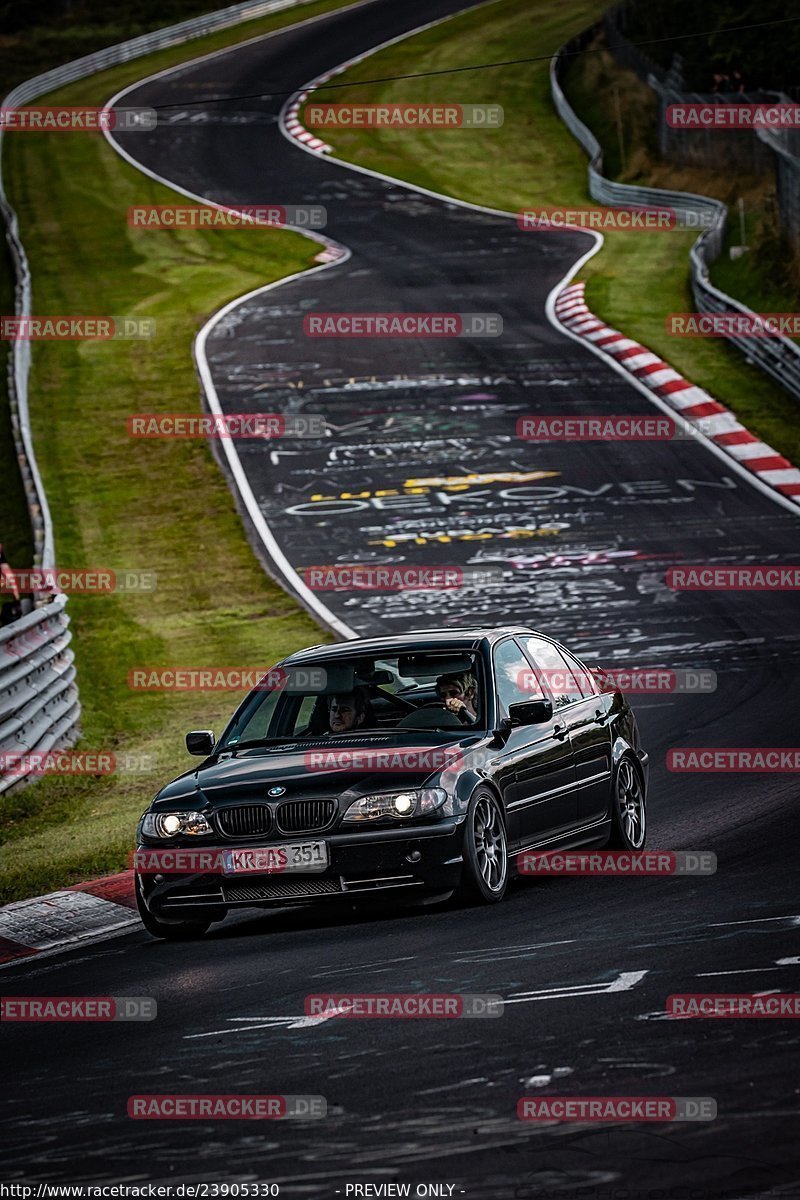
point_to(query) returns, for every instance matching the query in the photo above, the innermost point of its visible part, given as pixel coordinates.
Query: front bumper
(425, 858)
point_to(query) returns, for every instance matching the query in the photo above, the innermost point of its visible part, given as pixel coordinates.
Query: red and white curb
(62, 919)
(298, 131)
(694, 405)
(312, 142)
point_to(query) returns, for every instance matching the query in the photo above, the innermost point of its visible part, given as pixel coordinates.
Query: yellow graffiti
(446, 483)
(457, 481)
(443, 538)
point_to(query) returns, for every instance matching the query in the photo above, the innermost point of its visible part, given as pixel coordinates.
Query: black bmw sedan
(409, 766)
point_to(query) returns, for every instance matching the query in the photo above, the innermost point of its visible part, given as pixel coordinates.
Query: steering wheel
(440, 704)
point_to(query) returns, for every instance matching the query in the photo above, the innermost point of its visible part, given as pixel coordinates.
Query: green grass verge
(145, 505)
(637, 278)
(31, 50)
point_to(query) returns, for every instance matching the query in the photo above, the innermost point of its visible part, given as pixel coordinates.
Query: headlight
(171, 824)
(400, 805)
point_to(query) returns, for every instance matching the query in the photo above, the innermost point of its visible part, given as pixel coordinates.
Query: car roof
(467, 638)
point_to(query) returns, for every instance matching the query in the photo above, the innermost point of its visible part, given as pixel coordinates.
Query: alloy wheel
(490, 843)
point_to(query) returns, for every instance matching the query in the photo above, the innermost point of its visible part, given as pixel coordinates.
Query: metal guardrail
(39, 705)
(779, 356)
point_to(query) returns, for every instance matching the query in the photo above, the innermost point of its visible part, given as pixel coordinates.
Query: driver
(347, 710)
(459, 694)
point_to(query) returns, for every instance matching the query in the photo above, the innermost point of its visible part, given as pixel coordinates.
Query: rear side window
(562, 676)
(586, 680)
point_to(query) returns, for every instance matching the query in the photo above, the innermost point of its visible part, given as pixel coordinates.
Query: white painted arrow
(295, 1022)
(623, 983)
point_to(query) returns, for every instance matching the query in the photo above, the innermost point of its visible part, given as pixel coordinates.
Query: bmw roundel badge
(276, 791)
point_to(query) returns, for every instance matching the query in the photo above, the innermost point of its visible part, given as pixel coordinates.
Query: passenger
(459, 694)
(348, 710)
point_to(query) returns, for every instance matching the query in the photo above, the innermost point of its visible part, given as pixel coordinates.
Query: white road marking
(497, 953)
(266, 1023)
(384, 962)
(623, 983)
(540, 1081)
(742, 971)
(293, 1022)
(450, 1087)
(754, 921)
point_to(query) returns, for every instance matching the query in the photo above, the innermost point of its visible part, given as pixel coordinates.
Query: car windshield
(362, 697)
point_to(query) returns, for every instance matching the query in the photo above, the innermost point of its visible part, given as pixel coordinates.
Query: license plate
(304, 857)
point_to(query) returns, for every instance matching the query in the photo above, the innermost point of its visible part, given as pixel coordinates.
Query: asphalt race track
(580, 537)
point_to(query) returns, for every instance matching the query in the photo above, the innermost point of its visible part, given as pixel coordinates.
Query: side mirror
(200, 742)
(531, 712)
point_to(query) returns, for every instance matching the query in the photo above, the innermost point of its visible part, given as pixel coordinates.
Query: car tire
(484, 876)
(171, 931)
(628, 808)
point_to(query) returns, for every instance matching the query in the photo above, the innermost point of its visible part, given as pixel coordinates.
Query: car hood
(325, 766)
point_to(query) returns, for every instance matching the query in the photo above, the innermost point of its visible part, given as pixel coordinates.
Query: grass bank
(138, 505)
(37, 40)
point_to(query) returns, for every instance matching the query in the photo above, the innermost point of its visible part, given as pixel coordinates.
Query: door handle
(560, 731)
(601, 715)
